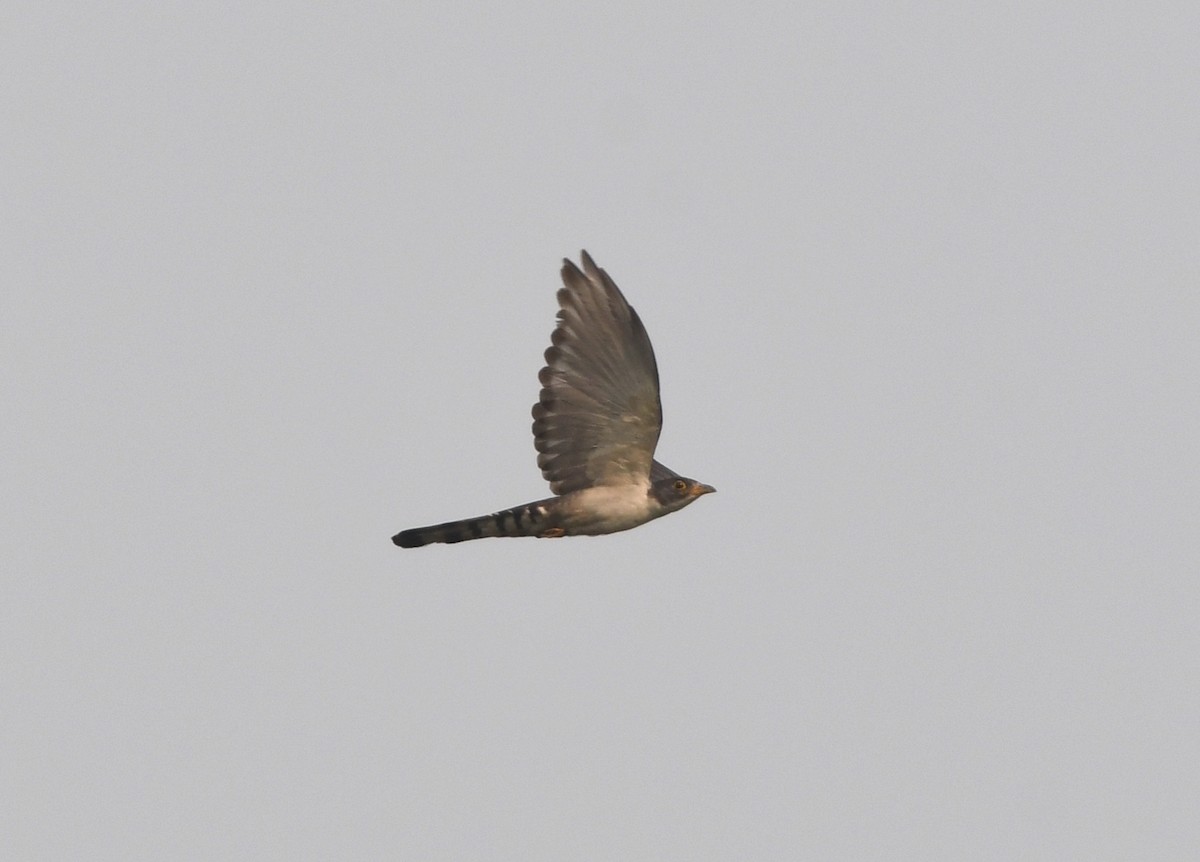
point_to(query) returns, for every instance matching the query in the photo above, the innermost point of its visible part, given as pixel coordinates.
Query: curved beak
(699, 489)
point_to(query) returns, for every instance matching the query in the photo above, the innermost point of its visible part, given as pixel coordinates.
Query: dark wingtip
(569, 271)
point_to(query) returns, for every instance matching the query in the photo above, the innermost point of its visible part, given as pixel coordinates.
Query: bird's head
(675, 492)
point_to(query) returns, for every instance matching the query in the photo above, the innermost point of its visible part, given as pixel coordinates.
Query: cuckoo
(595, 427)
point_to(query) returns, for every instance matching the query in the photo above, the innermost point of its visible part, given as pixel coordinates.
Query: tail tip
(408, 539)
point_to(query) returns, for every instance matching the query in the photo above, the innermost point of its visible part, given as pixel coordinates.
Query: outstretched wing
(598, 417)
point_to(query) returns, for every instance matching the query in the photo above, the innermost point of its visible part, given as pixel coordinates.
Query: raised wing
(598, 416)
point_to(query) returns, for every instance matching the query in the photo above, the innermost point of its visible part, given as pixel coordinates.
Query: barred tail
(532, 519)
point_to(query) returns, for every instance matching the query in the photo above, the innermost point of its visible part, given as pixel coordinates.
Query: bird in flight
(595, 427)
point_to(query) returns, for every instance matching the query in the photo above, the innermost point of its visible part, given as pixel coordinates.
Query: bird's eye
(680, 486)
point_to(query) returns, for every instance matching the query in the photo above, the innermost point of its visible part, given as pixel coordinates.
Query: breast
(609, 509)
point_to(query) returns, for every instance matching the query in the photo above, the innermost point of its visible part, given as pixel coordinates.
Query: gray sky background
(924, 285)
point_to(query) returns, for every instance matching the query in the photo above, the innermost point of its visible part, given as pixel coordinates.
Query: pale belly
(604, 509)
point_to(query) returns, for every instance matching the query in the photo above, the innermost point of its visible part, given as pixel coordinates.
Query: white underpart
(610, 508)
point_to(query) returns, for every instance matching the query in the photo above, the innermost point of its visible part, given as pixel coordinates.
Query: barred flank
(531, 519)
